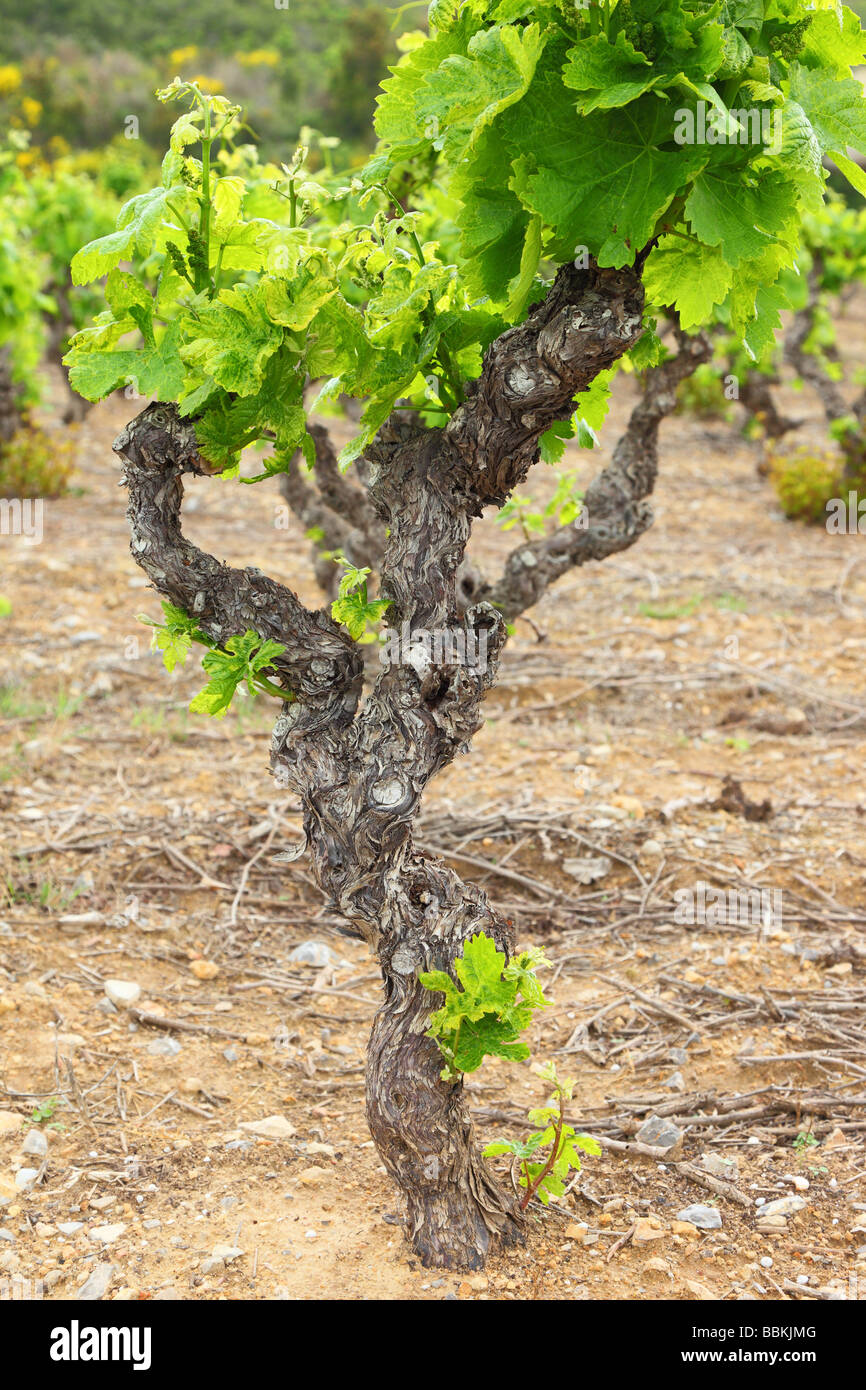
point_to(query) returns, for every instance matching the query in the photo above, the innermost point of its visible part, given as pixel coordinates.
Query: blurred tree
(363, 55)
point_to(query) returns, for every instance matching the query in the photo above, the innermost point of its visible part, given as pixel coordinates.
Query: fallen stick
(658, 1004)
(179, 1025)
(645, 1150)
(720, 1186)
(804, 1291)
(623, 1240)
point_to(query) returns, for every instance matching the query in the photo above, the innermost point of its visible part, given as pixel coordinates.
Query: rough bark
(533, 372)
(616, 510)
(360, 770)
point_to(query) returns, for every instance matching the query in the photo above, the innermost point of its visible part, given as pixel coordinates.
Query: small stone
(705, 1218)
(678, 1055)
(675, 1082)
(648, 1228)
(25, 1178)
(661, 1134)
(191, 1085)
(105, 1006)
(700, 1291)
(10, 1123)
(7, 1235)
(656, 1266)
(227, 1253)
(163, 1046)
(167, 1295)
(835, 1139)
(123, 993)
(784, 1206)
(615, 1204)
(802, 1184)
(271, 1127)
(96, 1285)
(35, 1144)
(69, 1043)
(212, 1263)
(311, 1177)
(231, 1054)
(650, 847)
(684, 1228)
(587, 870)
(311, 1235)
(766, 1262)
(478, 1282)
(719, 1166)
(70, 1228)
(106, 1235)
(204, 969)
(315, 953)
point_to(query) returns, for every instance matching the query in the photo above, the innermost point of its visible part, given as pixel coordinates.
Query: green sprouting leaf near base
(232, 338)
(492, 1007)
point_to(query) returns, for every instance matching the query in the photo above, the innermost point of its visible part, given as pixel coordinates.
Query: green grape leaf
(243, 661)
(689, 277)
(175, 635)
(603, 180)
(232, 338)
(743, 220)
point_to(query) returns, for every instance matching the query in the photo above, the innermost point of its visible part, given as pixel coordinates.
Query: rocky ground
(182, 1027)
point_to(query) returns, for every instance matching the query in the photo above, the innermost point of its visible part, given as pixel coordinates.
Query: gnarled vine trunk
(359, 766)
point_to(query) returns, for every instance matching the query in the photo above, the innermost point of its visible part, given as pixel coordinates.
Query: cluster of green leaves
(242, 661)
(565, 507)
(44, 216)
(68, 209)
(352, 608)
(492, 1007)
(545, 1175)
(584, 106)
(22, 275)
(830, 262)
(257, 280)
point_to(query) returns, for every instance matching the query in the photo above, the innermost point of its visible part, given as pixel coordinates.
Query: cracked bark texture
(616, 510)
(359, 767)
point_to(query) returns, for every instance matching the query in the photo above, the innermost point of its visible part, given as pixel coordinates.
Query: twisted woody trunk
(359, 766)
